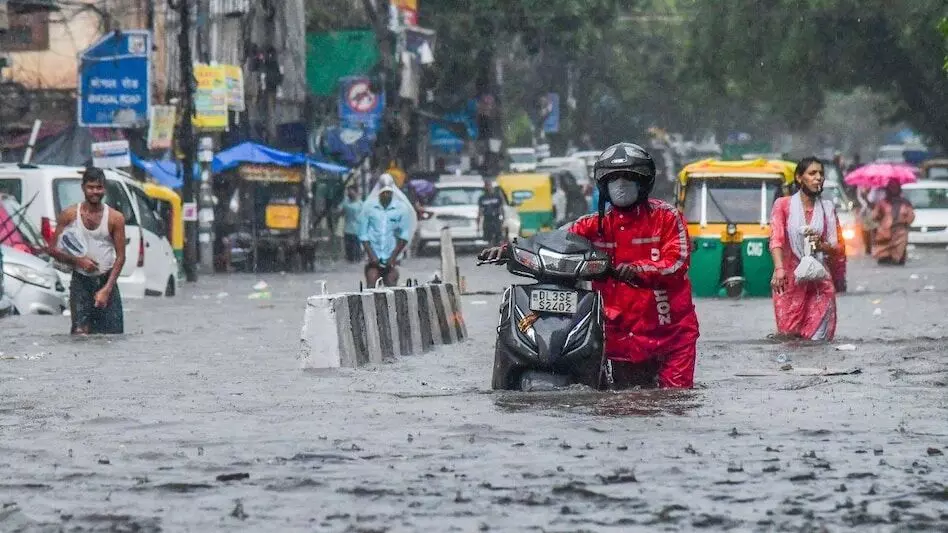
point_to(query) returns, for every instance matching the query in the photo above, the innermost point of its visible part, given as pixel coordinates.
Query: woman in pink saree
(804, 309)
(894, 214)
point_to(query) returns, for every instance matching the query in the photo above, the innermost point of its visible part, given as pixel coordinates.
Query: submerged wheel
(170, 287)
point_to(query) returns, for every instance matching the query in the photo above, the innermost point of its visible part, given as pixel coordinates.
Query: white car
(522, 159)
(455, 205)
(150, 264)
(31, 284)
(930, 200)
(576, 166)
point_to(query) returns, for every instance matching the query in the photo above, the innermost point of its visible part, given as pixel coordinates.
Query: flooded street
(199, 419)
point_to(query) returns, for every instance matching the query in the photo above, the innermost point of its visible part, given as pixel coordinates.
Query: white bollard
(449, 263)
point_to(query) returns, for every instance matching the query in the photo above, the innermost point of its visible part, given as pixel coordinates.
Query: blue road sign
(360, 108)
(445, 139)
(115, 81)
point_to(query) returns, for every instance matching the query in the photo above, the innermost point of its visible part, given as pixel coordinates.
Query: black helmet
(626, 157)
(623, 158)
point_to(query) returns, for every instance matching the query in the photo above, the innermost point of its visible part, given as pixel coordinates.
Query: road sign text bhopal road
(115, 81)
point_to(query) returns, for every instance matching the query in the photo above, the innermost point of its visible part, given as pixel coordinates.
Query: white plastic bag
(810, 269)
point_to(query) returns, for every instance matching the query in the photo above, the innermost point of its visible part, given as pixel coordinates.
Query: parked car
(16, 230)
(6, 305)
(930, 200)
(523, 159)
(32, 284)
(150, 265)
(454, 205)
(935, 169)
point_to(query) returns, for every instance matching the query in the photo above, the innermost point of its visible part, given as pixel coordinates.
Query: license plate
(553, 301)
(458, 223)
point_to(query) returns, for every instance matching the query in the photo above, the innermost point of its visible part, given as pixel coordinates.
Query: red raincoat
(657, 322)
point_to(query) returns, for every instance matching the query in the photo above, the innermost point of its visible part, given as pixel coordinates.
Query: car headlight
(557, 263)
(28, 275)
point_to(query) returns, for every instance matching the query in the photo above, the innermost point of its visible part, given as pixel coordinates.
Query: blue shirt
(351, 209)
(381, 227)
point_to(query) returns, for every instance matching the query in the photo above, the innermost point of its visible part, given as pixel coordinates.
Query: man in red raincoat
(651, 325)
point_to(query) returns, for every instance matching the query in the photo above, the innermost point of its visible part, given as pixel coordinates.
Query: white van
(150, 264)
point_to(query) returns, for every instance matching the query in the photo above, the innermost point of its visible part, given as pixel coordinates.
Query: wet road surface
(199, 419)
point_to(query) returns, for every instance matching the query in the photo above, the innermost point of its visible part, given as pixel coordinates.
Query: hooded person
(651, 325)
(386, 226)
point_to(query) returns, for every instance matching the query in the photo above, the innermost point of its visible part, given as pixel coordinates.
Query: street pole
(187, 136)
(206, 207)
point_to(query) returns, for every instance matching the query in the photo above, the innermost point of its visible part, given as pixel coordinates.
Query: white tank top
(99, 245)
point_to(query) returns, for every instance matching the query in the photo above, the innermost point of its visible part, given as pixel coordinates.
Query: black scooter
(551, 332)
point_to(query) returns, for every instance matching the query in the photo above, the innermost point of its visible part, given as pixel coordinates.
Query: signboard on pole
(235, 87)
(359, 106)
(115, 81)
(111, 154)
(161, 127)
(408, 9)
(210, 99)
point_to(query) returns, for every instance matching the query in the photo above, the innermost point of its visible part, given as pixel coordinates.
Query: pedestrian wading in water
(893, 215)
(804, 229)
(86, 237)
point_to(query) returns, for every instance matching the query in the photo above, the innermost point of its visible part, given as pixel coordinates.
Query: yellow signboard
(235, 87)
(210, 99)
(161, 127)
(282, 216)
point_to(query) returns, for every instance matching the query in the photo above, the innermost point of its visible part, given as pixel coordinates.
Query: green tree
(781, 58)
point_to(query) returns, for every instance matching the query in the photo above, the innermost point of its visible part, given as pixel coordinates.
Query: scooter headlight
(594, 267)
(527, 259)
(557, 263)
(732, 229)
(849, 234)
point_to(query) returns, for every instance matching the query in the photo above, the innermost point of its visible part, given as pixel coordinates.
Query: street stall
(266, 197)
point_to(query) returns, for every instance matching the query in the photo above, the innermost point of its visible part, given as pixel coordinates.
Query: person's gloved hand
(494, 253)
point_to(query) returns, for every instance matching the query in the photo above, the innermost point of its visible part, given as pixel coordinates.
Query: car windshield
(15, 211)
(450, 196)
(838, 196)
(937, 173)
(740, 199)
(832, 174)
(523, 157)
(927, 198)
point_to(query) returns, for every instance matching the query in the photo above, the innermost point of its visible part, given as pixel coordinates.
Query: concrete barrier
(355, 329)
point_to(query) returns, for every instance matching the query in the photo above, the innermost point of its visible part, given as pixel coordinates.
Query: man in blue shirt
(351, 210)
(384, 233)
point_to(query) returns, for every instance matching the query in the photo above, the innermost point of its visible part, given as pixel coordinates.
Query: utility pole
(186, 134)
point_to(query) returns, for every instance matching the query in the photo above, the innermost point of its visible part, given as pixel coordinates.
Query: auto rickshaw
(270, 209)
(168, 205)
(532, 195)
(728, 206)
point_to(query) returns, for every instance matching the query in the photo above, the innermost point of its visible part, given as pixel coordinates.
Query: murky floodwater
(200, 420)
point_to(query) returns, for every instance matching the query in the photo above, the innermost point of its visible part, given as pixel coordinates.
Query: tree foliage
(785, 58)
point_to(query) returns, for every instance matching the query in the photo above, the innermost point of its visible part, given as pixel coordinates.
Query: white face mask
(623, 193)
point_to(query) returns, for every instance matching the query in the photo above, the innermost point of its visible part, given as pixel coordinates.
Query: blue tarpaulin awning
(250, 152)
(166, 172)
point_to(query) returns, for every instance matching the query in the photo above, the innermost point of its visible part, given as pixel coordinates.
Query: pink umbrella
(880, 174)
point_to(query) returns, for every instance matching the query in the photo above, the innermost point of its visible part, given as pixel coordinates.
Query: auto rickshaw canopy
(756, 168)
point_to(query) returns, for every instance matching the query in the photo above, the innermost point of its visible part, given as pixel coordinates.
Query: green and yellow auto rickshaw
(532, 195)
(727, 205)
